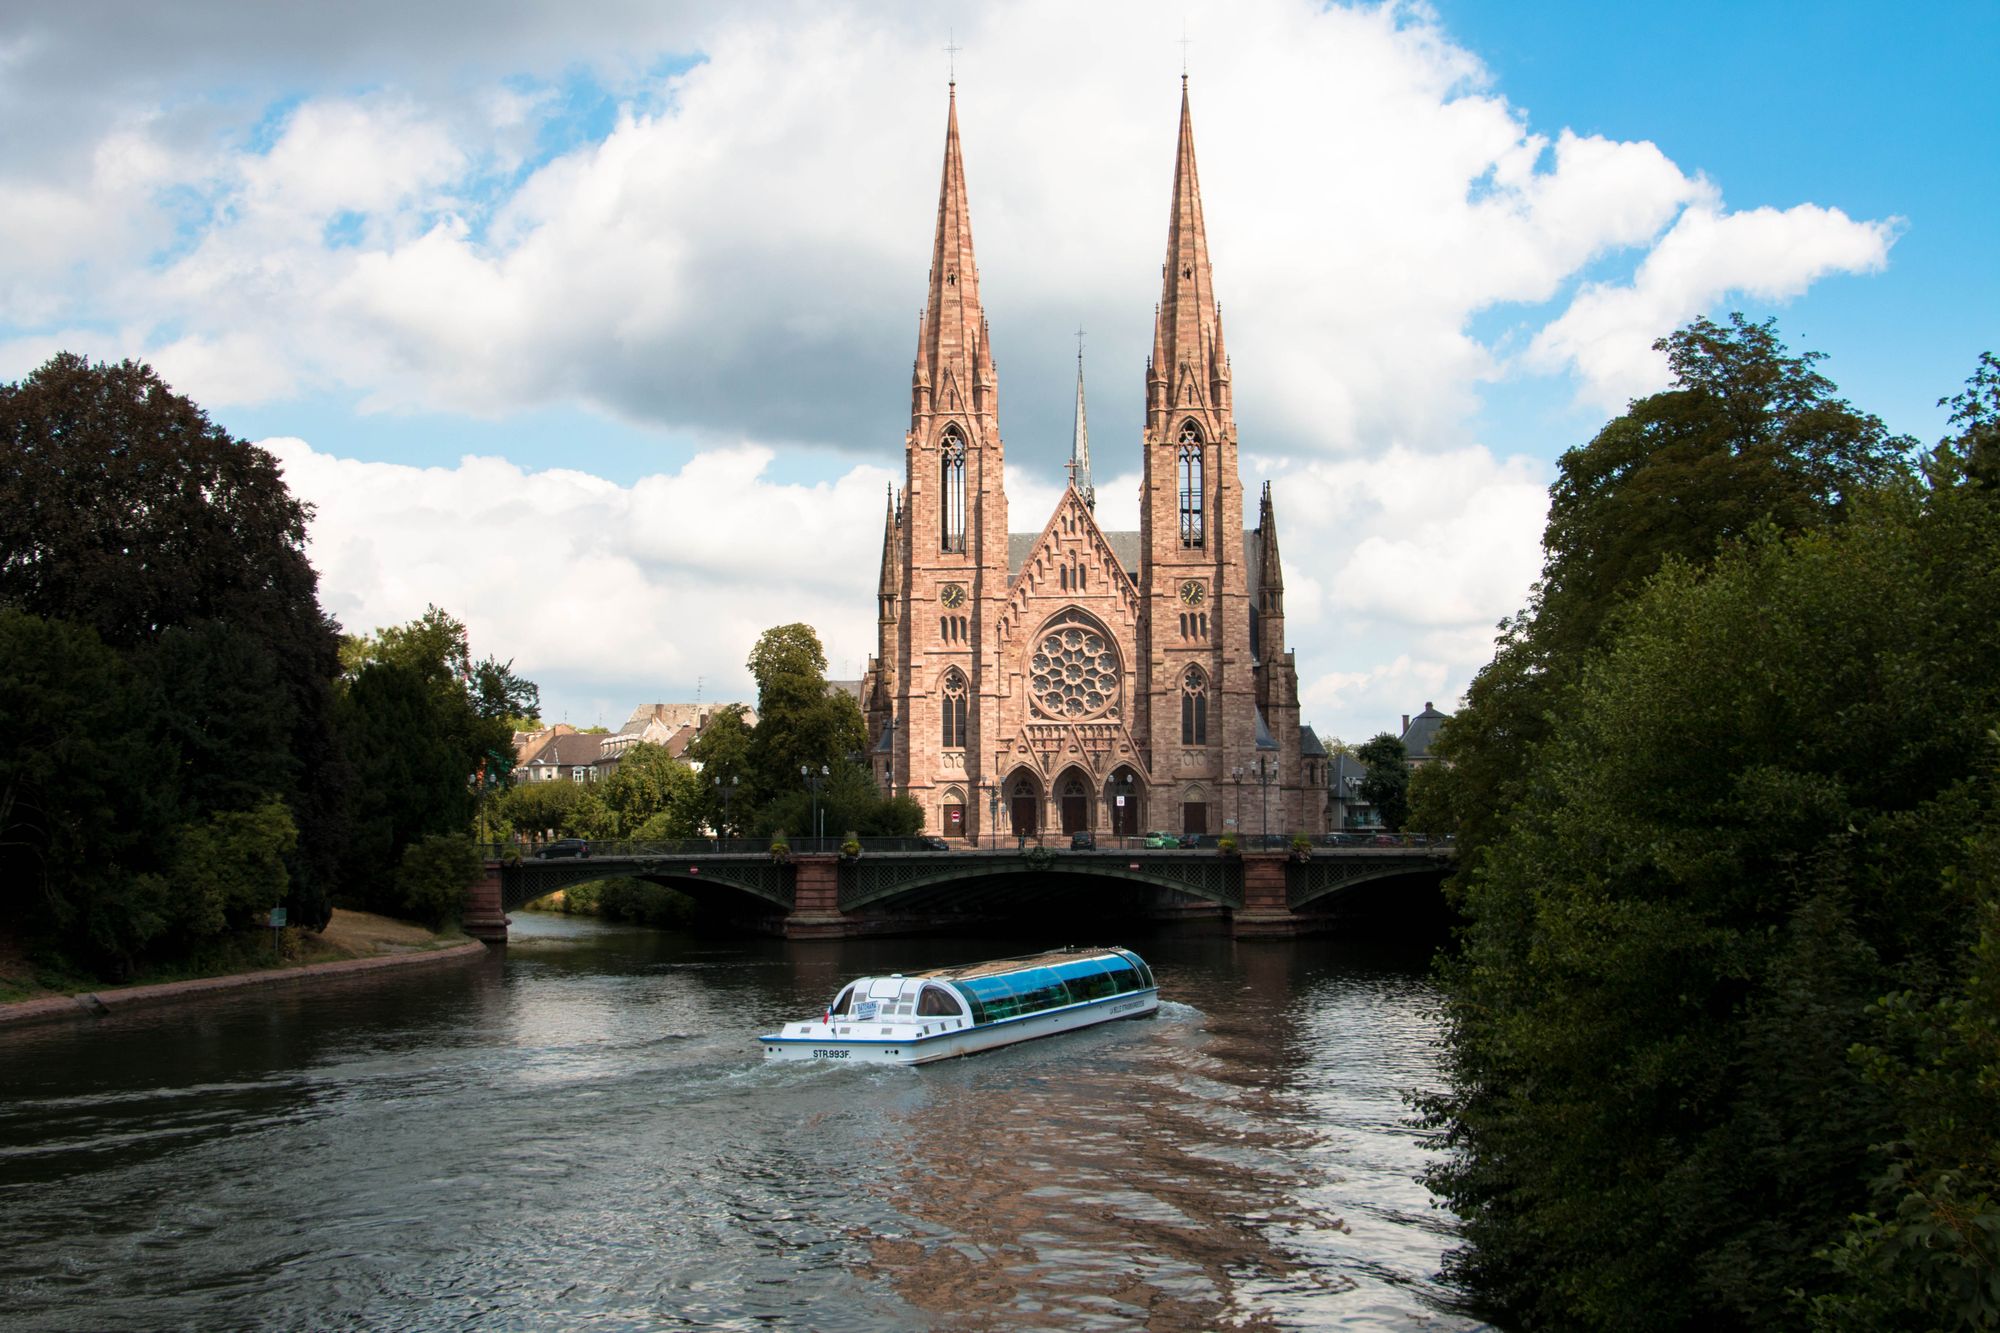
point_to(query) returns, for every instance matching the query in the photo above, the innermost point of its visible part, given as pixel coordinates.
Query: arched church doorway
(1075, 803)
(1024, 803)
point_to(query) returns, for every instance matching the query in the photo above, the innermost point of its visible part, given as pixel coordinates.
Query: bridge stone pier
(483, 917)
(820, 894)
(816, 913)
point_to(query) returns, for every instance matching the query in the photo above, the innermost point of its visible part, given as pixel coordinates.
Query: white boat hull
(923, 1042)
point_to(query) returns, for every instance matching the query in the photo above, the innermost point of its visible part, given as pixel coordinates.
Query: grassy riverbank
(348, 935)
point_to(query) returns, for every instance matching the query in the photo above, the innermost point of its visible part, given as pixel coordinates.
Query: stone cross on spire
(1079, 448)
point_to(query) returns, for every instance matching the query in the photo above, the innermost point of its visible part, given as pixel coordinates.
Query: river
(582, 1134)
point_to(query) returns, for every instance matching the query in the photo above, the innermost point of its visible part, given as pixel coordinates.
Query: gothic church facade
(1032, 683)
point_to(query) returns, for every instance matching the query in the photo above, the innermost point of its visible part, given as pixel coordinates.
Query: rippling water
(583, 1134)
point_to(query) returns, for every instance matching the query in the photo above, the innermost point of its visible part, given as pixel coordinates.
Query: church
(1068, 678)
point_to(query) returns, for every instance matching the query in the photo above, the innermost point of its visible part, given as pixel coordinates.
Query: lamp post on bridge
(726, 790)
(993, 817)
(814, 781)
(1123, 816)
(1265, 772)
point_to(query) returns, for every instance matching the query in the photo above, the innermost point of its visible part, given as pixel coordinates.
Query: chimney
(1406, 722)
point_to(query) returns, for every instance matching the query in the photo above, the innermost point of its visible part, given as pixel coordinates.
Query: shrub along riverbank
(348, 935)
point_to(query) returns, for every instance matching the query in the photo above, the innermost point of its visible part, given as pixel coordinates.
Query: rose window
(1074, 672)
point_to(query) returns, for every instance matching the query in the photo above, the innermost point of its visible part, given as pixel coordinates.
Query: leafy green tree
(1386, 786)
(123, 507)
(652, 790)
(1976, 413)
(1928, 1252)
(1749, 436)
(434, 874)
(723, 750)
(425, 738)
(1729, 846)
(84, 806)
(229, 869)
(560, 809)
(800, 721)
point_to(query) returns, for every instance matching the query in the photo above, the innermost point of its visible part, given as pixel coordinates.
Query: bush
(434, 875)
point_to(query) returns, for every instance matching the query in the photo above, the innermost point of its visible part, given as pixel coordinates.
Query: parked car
(564, 847)
(1199, 840)
(1385, 840)
(1160, 839)
(1341, 840)
(933, 843)
(1083, 840)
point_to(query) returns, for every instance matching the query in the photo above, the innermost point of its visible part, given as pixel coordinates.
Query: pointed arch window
(951, 490)
(1194, 707)
(954, 709)
(1190, 474)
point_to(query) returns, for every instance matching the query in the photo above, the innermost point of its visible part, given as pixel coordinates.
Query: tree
(1730, 845)
(1749, 436)
(722, 748)
(558, 809)
(1976, 414)
(651, 789)
(433, 875)
(84, 813)
(800, 721)
(124, 508)
(426, 737)
(1387, 783)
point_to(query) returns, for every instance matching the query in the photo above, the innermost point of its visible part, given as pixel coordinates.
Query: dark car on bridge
(1083, 840)
(564, 847)
(933, 843)
(1201, 840)
(1341, 840)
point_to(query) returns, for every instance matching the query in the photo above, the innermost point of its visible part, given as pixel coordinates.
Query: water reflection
(583, 1133)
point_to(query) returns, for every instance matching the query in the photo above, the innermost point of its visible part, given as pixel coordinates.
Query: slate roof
(1309, 746)
(570, 749)
(1422, 732)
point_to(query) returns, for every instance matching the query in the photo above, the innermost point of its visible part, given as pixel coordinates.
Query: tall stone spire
(1079, 446)
(1270, 575)
(1187, 335)
(892, 564)
(951, 353)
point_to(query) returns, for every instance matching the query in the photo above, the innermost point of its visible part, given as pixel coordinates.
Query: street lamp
(814, 781)
(1124, 818)
(725, 790)
(993, 817)
(1264, 775)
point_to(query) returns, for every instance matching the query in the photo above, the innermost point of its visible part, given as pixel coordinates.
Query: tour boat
(915, 1018)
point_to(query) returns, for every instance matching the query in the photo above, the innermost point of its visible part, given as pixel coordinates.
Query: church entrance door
(1024, 814)
(1075, 807)
(1194, 817)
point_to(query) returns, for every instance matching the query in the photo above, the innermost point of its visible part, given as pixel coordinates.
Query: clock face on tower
(1193, 591)
(952, 594)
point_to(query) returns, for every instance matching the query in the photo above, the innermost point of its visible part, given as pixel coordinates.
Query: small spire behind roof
(1079, 449)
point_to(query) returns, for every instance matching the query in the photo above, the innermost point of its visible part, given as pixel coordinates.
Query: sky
(592, 324)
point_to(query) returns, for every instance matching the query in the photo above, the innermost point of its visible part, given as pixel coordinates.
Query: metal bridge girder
(874, 879)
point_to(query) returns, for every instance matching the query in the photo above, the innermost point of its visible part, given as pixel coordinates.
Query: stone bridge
(827, 895)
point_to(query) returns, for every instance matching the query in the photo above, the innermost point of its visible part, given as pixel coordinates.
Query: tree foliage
(125, 510)
(1748, 437)
(651, 790)
(1386, 785)
(425, 739)
(433, 875)
(1716, 804)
